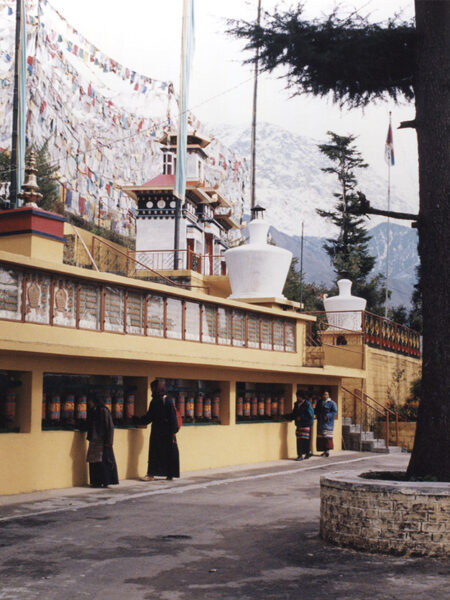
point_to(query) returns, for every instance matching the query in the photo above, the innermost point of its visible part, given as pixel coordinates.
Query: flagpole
(253, 138)
(19, 108)
(301, 268)
(388, 228)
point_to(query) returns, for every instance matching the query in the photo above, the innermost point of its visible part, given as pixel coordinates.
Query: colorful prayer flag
(389, 147)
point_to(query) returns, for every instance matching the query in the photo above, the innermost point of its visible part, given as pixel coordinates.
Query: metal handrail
(157, 273)
(384, 412)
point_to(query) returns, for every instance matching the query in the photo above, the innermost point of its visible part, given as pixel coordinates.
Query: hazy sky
(145, 36)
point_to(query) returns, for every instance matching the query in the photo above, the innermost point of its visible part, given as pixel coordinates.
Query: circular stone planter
(391, 517)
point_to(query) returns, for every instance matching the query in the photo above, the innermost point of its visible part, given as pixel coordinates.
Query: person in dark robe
(100, 455)
(163, 455)
(303, 415)
(326, 411)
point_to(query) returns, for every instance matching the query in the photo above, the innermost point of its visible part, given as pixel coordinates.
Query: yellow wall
(383, 368)
(37, 460)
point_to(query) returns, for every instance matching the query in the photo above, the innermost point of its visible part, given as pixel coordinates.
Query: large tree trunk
(431, 452)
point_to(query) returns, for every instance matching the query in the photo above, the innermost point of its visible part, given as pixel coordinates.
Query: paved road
(229, 534)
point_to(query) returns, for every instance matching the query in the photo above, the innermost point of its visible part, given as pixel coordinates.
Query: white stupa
(257, 269)
(345, 311)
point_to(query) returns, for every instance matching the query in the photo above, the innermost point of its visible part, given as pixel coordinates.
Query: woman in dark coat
(100, 455)
(163, 456)
(303, 415)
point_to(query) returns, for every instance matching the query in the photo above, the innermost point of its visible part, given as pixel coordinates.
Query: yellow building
(67, 332)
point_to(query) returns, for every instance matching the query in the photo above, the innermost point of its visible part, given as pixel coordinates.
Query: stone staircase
(363, 441)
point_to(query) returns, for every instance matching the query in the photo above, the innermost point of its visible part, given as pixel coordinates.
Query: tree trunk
(431, 452)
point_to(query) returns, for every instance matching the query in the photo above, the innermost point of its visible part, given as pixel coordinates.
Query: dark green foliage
(46, 176)
(311, 293)
(349, 252)
(399, 314)
(47, 179)
(112, 236)
(353, 59)
(415, 314)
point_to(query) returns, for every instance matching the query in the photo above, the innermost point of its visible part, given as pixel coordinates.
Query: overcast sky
(145, 36)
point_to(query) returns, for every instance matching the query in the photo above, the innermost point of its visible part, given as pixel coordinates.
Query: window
(135, 313)
(253, 331)
(278, 334)
(290, 336)
(155, 316)
(114, 309)
(238, 328)
(266, 333)
(89, 300)
(224, 324)
(174, 318)
(192, 316)
(209, 325)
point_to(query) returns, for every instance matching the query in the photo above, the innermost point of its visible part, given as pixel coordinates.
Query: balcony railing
(38, 296)
(378, 332)
(165, 260)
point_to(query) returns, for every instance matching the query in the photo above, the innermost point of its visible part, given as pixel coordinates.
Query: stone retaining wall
(403, 518)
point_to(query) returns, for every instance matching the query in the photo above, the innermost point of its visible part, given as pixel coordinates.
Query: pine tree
(349, 253)
(311, 293)
(46, 176)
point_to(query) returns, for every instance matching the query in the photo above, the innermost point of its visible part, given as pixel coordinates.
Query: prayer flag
(389, 147)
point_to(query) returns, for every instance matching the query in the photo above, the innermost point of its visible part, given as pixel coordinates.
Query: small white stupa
(257, 269)
(345, 311)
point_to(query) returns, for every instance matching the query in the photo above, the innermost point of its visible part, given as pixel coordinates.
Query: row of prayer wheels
(259, 406)
(8, 407)
(70, 409)
(197, 407)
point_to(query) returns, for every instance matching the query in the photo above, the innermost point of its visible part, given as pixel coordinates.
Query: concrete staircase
(363, 441)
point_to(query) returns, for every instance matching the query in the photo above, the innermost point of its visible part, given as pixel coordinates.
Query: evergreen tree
(46, 179)
(311, 292)
(349, 253)
(356, 62)
(46, 176)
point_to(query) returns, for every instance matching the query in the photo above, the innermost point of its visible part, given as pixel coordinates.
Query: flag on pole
(187, 51)
(389, 147)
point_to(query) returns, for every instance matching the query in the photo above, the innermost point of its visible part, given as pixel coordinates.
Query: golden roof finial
(30, 190)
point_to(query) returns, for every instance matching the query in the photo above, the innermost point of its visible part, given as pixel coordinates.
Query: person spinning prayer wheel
(303, 416)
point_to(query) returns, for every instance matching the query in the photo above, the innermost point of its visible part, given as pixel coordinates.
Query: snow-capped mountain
(290, 184)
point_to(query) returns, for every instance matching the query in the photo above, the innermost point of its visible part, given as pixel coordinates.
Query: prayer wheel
(281, 406)
(254, 406)
(216, 408)
(190, 408)
(107, 399)
(129, 406)
(81, 408)
(68, 409)
(54, 408)
(247, 405)
(207, 409)
(274, 407)
(181, 404)
(261, 406)
(240, 407)
(9, 406)
(117, 407)
(199, 406)
(268, 406)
